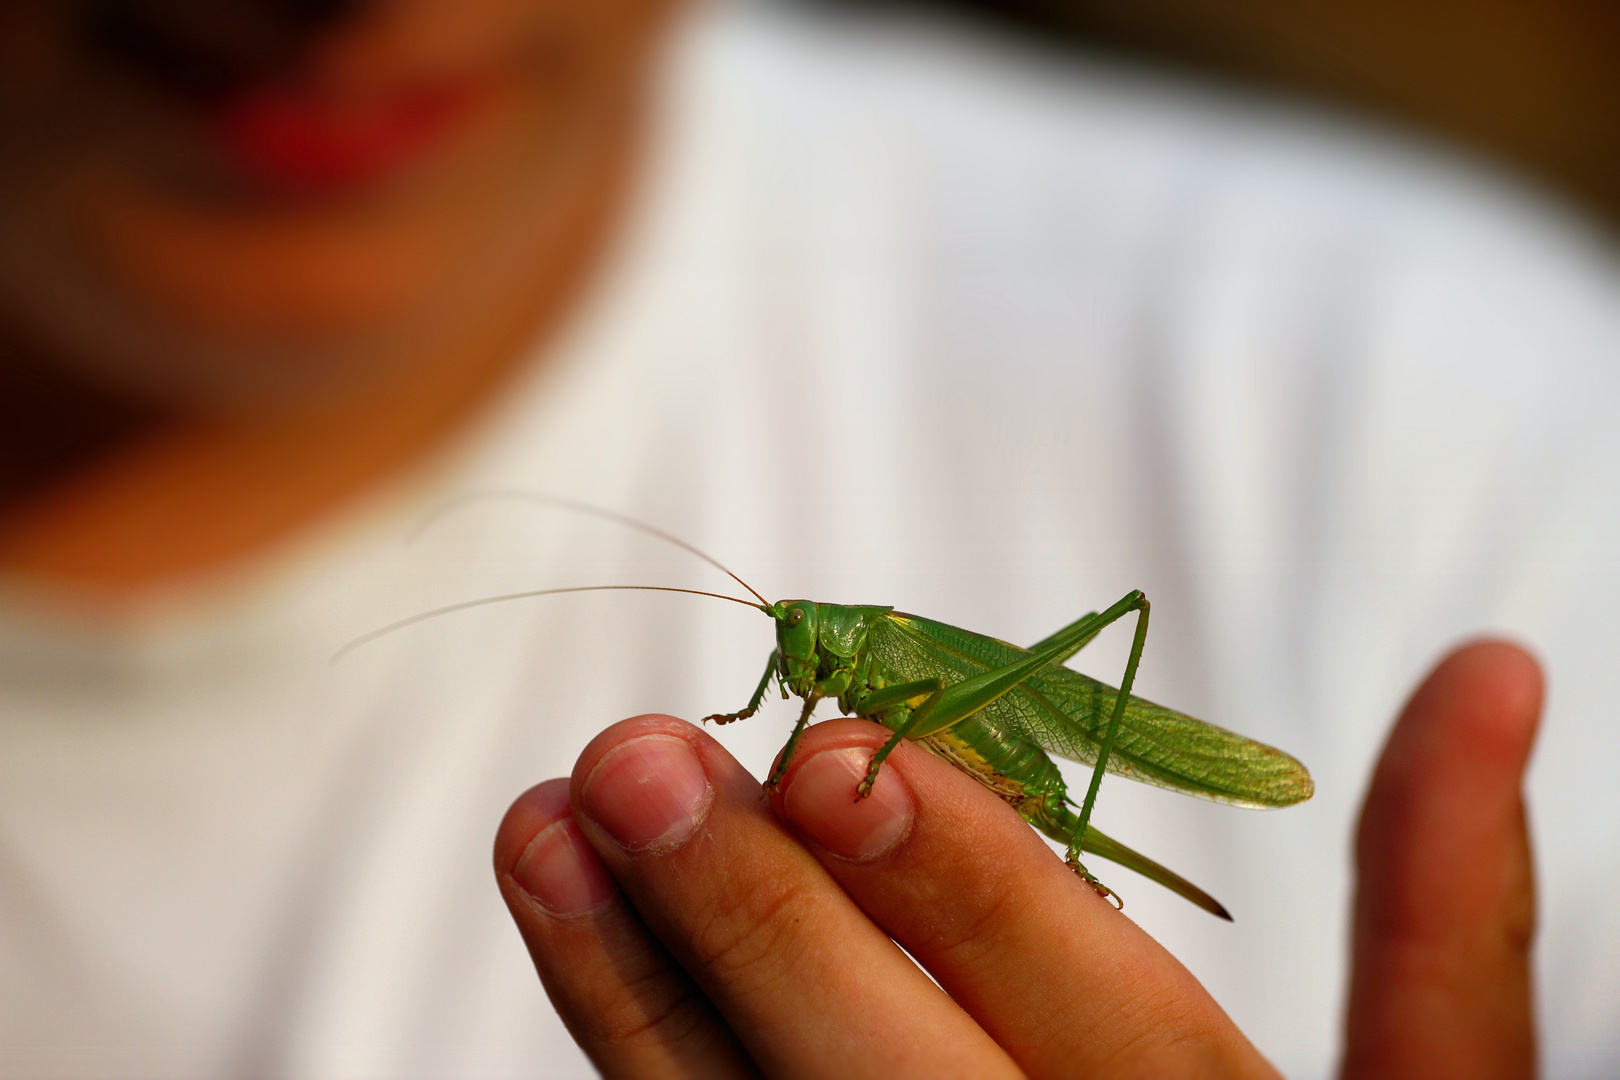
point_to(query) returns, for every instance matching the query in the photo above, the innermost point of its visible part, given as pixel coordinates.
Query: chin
(179, 355)
(201, 375)
(201, 310)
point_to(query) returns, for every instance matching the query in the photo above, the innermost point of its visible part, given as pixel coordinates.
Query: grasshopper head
(795, 628)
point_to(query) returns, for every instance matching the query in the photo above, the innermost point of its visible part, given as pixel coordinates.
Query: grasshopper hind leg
(1064, 827)
(1073, 859)
(1138, 602)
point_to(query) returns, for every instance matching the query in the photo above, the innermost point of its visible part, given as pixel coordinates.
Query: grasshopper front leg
(811, 700)
(832, 686)
(753, 702)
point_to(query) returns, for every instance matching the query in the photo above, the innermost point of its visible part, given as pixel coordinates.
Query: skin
(1445, 907)
(683, 927)
(196, 360)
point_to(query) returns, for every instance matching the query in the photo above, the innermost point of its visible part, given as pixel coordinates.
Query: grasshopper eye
(795, 617)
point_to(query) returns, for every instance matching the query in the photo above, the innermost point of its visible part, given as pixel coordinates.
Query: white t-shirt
(901, 317)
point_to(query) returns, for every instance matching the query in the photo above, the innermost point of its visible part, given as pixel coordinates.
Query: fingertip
(840, 733)
(540, 850)
(1482, 701)
(614, 735)
(1508, 684)
(913, 785)
(535, 809)
(820, 801)
(723, 770)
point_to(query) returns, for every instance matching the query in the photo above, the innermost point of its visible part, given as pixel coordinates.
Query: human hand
(682, 927)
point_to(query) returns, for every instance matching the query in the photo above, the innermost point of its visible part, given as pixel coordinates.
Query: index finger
(1061, 980)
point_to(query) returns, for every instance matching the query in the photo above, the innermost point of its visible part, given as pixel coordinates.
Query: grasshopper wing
(1067, 713)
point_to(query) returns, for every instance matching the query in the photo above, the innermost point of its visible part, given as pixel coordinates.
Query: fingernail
(820, 800)
(561, 872)
(650, 792)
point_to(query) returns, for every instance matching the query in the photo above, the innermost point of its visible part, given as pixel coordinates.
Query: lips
(291, 139)
(242, 65)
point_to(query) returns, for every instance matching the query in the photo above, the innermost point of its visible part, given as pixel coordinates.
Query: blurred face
(234, 203)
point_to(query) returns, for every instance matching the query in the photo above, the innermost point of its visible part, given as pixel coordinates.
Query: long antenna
(423, 616)
(575, 505)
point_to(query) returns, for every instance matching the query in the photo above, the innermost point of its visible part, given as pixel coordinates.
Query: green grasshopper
(990, 708)
(995, 710)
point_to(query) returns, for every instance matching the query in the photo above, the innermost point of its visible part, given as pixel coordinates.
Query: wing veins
(1064, 711)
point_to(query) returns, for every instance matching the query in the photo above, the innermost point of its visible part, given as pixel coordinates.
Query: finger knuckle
(759, 935)
(658, 1009)
(1179, 1040)
(974, 935)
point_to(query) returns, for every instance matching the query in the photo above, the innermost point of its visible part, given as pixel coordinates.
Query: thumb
(1445, 904)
